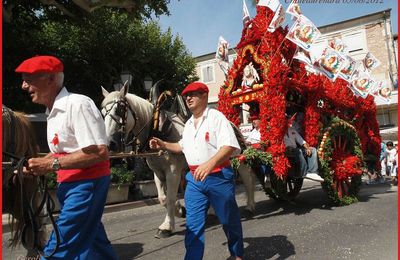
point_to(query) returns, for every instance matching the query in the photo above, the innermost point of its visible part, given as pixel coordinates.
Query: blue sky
(200, 22)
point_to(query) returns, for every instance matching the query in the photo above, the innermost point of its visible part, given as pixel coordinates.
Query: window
(384, 118)
(207, 73)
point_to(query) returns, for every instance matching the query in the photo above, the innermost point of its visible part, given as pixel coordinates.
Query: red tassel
(207, 137)
(55, 140)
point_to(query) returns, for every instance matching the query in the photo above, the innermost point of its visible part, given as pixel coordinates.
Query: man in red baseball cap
(208, 141)
(77, 141)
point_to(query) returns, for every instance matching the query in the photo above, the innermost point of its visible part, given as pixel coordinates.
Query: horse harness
(28, 211)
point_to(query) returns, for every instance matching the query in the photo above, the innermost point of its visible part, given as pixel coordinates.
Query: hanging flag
(330, 63)
(294, 10)
(362, 83)
(348, 69)
(278, 19)
(222, 50)
(382, 91)
(370, 62)
(337, 44)
(303, 33)
(246, 14)
(271, 4)
(303, 56)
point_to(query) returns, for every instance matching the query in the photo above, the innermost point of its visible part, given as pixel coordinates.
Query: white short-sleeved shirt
(77, 123)
(254, 136)
(292, 138)
(202, 143)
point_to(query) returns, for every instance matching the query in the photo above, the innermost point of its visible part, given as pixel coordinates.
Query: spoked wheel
(341, 161)
(283, 190)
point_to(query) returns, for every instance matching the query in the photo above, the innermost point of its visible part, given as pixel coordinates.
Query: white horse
(126, 114)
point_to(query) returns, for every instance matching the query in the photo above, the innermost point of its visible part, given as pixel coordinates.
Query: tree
(77, 8)
(94, 50)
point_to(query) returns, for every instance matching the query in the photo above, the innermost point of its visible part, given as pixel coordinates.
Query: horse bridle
(121, 115)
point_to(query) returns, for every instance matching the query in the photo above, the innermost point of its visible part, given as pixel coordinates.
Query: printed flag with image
(294, 10)
(271, 4)
(222, 50)
(382, 91)
(303, 56)
(348, 69)
(303, 33)
(330, 63)
(278, 19)
(362, 83)
(337, 44)
(246, 14)
(370, 62)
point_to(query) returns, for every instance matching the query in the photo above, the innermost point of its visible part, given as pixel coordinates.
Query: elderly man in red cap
(208, 141)
(78, 154)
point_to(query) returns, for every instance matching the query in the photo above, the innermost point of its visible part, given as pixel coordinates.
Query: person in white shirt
(77, 141)
(254, 137)
(391, 159)
(306, 155)
(208, 141)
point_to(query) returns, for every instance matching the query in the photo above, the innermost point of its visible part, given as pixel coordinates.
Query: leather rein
(28, 211)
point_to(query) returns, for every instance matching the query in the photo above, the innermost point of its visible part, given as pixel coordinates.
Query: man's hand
(308, 151)
(40, 166)
(203, 171)
(156, 143)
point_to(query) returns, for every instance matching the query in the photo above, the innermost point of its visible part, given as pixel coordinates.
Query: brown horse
(19, 140)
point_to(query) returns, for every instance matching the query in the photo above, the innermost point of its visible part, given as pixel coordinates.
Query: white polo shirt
(76, 122)
(292, 137)
(212, 132)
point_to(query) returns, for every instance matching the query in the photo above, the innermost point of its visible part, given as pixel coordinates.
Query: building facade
(370, 33)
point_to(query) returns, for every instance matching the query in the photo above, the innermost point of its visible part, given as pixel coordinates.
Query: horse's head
(119, 118)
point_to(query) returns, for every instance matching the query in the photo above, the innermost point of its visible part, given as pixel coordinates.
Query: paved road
(310, 229)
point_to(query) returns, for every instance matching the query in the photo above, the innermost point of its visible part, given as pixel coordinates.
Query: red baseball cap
(195, 87)
(40, 64)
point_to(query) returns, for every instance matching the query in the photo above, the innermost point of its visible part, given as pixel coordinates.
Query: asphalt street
(310, 228)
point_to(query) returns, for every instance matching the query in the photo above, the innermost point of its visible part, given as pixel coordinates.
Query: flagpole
(290, 63)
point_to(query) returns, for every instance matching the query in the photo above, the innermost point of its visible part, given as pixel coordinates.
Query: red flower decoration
(55, 140)
(242, 158)
(207, 137)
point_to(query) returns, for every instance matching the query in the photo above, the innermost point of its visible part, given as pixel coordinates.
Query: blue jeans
(307, 163)
(82, 234)
(217, 189)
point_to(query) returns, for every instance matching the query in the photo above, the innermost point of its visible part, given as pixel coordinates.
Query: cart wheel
(284, 190)
(341, 162)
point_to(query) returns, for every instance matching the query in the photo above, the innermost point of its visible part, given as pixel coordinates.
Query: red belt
(216, 169)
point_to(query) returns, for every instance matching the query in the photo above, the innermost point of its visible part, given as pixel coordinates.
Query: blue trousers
(308, 164)
(81, 231)
(218, 189)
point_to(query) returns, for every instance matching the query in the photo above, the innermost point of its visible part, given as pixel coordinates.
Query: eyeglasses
(193, 94)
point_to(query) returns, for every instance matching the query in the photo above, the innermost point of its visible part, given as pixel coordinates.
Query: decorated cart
(341, 125)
